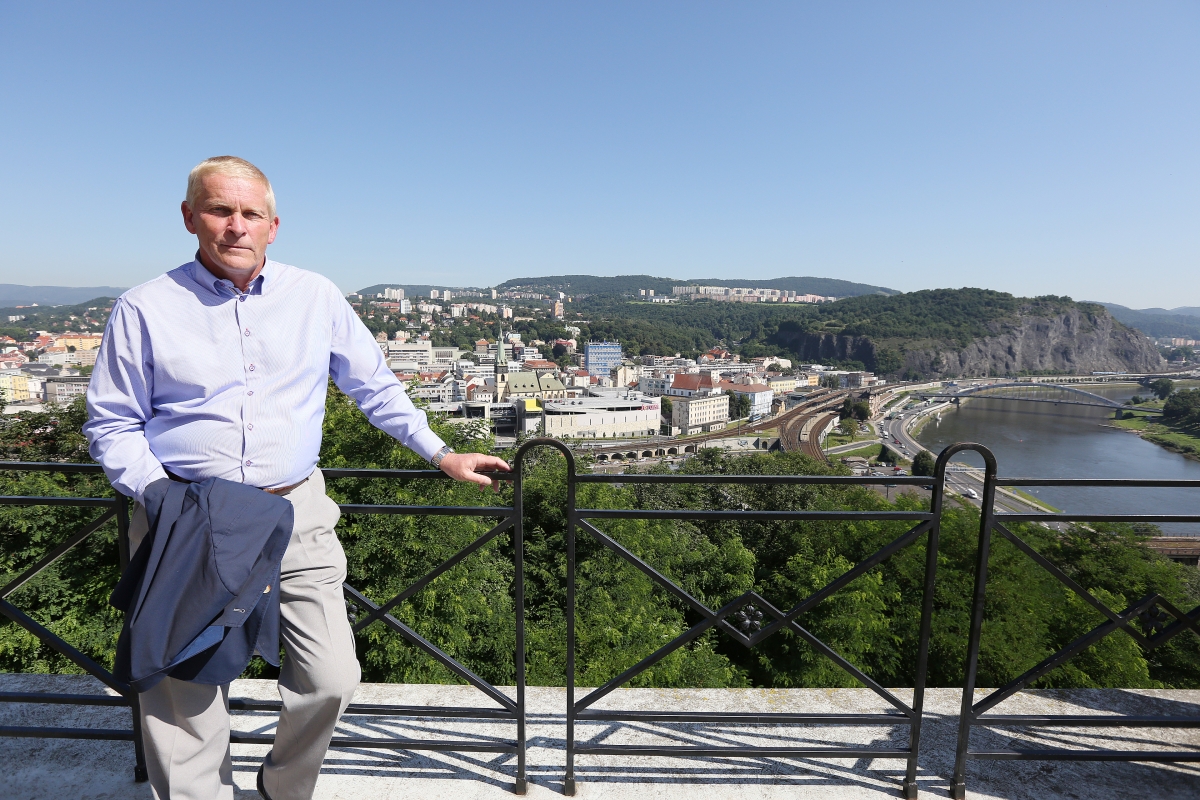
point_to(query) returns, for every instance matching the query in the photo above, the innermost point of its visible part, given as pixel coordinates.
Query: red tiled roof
(691, 382)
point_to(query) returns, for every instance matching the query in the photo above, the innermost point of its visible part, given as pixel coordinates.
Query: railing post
(569, 780)
(937, 498)
(958, 788)
(140, 775)
(519, 589)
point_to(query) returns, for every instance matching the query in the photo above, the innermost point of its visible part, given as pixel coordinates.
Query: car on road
(971, 493)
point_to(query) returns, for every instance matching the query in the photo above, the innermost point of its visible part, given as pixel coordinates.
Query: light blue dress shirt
(206, 381)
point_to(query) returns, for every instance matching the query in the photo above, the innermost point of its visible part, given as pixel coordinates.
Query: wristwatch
(439, 455)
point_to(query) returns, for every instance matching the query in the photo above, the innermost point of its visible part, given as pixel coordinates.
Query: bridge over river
(1028, 393)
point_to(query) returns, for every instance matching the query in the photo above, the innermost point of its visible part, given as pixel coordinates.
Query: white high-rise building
(393, 294)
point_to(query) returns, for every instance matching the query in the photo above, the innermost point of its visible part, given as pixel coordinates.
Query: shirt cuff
(158, 474)
(425, 443)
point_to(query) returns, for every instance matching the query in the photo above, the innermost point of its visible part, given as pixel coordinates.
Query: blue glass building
(599, 358)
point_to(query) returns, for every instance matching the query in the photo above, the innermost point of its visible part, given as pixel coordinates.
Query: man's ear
(188, 221)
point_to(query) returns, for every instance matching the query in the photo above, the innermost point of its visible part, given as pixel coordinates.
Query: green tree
(923, 463)
(887, 361)
(1162, 388)
(621, 614)
(667, 407)
(1183, 407)
(739, 404)
(861, 411)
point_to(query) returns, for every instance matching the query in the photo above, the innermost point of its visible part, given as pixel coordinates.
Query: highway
(961, 478)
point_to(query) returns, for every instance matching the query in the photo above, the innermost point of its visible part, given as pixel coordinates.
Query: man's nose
(236, 226)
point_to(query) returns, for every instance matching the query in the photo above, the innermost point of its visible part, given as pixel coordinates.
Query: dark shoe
(262, 789)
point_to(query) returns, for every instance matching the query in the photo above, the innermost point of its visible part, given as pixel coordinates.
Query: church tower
(500, 370)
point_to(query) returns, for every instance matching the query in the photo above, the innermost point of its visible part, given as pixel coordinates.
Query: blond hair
(232, 166)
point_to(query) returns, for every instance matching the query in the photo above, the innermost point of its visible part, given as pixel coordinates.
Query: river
(1040, 440)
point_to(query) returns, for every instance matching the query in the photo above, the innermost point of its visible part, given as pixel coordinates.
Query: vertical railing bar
(518, 534)
(958, 789)
(569, 779)
(918, 705)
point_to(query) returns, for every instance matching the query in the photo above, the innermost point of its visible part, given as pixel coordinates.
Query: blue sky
(1033, 148)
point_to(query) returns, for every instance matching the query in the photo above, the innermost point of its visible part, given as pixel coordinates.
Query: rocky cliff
(1080, 340)
(1054, 335)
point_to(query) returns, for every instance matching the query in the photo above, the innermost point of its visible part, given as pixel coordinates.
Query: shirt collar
(225, 288)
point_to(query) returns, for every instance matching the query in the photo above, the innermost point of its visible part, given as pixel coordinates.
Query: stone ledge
(39, 769)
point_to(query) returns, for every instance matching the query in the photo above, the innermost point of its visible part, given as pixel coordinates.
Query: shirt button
(252, 368)
(250, 392)
(249, 463)
(250, 426)
(242, 298)
(247, 331)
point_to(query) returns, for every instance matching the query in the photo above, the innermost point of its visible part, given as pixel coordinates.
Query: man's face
(232, 223)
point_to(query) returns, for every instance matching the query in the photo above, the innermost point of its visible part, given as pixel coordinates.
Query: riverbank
(1184, 441)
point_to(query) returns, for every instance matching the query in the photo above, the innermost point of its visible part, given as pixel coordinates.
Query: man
(219, 368)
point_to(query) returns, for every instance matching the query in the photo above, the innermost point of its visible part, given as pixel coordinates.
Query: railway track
(791, 420)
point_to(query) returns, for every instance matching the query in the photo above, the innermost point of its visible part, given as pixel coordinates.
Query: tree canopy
(621, 615)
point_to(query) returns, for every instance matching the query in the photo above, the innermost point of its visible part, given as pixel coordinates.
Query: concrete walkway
(37, 769)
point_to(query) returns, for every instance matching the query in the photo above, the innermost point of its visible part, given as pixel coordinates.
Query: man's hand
(467, 466)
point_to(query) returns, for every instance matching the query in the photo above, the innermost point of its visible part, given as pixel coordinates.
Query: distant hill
(12, 294)
(1182, 311)
(630, 284)
(412, 289)
(1183, 322)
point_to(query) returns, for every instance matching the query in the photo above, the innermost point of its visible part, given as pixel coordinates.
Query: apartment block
(699, 414)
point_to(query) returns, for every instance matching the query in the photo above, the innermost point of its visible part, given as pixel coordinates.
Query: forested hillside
(621, 616)
(910, 333)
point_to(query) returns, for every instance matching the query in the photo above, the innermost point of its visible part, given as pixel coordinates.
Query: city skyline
(1021, 148)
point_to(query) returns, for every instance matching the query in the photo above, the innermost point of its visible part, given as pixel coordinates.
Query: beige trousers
(186, 725)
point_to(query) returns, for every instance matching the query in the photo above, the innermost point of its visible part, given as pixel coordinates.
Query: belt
(279, 490)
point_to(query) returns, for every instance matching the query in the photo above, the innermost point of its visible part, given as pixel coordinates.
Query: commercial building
(601, 357)
(700, 414)
(602, 418)
(62, 389)
(393, 294)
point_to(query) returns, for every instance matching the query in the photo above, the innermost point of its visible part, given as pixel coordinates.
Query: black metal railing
(1160, 619)
(510, 709)
(750, 633)
(748, 620)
